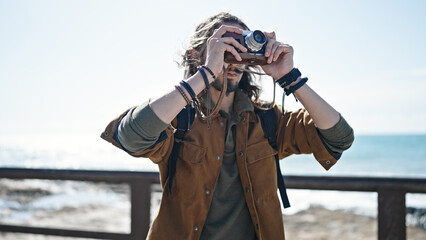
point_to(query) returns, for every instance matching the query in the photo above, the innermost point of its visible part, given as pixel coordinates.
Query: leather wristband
(189, 89)
(293, 88)
(203, 73)
(290, 77)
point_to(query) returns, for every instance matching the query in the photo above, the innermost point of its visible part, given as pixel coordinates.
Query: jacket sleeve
(140, 129)
(337, 138)
(139, 132)
(297, 134)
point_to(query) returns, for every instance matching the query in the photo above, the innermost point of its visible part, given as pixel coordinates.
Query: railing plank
(359, 184)
(63, 232)
(77, 175)
(141, 206)
(391, 215)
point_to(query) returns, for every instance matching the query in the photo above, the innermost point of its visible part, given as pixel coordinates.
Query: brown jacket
(182, 213)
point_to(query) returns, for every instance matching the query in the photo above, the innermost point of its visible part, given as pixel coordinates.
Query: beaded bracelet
(193, 96)
(209, 70)
(183, 94)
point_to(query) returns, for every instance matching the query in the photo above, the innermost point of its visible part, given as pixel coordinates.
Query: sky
(71, 66)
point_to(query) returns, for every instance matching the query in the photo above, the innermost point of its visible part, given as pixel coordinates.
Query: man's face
(233, 77)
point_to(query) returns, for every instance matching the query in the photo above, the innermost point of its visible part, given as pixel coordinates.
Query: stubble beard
(231, 87)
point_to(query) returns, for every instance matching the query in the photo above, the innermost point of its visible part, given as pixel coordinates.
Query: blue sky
(70, 66)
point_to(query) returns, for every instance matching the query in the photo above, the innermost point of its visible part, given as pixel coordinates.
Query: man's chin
(232, 87)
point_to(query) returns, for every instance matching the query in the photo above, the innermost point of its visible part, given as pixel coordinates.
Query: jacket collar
(242, 103)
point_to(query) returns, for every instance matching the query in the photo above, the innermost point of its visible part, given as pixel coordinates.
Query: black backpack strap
(184, 121)
(269, 123)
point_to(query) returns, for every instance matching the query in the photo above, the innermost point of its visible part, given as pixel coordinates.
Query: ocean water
(370, 155)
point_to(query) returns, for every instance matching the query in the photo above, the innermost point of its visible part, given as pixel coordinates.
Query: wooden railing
(391, 198)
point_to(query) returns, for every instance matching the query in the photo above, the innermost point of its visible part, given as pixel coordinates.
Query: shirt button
(221, 124)
(241, 154)
(207, 192)
(218, 158)
(106, 133)
(196, 228)
(247, 190)
(243, 119)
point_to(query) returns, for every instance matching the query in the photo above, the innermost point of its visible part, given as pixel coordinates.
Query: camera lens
(259, 37)
(255, 40)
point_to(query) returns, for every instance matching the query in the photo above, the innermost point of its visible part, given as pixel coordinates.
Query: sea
(398, 156)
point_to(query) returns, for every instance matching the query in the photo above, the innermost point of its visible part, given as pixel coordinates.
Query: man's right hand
(218, 45)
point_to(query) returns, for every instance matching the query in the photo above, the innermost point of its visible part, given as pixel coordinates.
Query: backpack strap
(269, 123)
(184, 121)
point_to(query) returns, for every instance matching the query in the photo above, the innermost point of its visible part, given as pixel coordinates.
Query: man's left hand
(279, 57)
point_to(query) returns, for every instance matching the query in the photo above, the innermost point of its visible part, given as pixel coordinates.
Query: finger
(269, 47)
(233, 51)
(283, 49)
(277, 53)
(273, 52)
(226, 28)
(235, 43)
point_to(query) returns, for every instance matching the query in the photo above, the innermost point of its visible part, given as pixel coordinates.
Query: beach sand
(315, 222)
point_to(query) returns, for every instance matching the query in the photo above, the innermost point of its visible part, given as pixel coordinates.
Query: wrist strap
(203, 73)
(293, 88)
(290, 77)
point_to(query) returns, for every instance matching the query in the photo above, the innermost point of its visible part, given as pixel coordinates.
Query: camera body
(255, 42)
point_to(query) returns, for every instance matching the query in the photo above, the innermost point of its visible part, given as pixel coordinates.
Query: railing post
(392, 213)
(140, 212)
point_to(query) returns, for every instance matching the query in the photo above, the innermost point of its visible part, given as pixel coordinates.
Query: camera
(255, 42)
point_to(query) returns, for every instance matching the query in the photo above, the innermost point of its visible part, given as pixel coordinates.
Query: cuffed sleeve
(339, 137)
(140, 128)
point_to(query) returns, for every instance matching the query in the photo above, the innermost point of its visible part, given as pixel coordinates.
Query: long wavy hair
(196, 52)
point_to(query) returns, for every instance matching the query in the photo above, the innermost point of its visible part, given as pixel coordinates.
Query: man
(224, 185)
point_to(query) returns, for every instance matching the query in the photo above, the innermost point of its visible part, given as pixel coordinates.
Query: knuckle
(211, 40)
